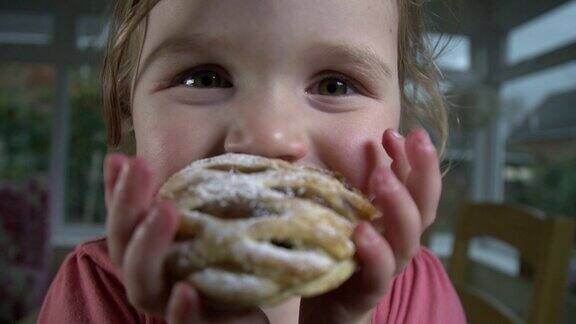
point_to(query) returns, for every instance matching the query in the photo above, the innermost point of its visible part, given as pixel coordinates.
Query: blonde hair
(422, 103)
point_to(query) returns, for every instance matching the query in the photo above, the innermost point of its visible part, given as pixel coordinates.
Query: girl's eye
(334, 86)
(204, 79)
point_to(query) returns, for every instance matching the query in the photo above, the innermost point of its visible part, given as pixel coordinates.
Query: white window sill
(71, 235)
(489, 252)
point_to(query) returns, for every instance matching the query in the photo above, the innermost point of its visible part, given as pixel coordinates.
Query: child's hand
(140, 232)
(407, 195)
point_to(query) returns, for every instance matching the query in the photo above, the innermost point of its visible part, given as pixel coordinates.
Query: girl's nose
(269, 131)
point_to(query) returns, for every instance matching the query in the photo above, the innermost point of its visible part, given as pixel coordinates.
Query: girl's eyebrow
(183, 44)
(361, 56)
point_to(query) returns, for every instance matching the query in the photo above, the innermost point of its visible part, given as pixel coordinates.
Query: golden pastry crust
(255, 231)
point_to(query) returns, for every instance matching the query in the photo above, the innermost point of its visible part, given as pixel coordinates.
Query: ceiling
(453, 16)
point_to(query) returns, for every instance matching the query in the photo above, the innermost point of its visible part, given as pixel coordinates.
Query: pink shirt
(87, 289)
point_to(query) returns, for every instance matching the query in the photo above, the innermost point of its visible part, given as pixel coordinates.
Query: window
(456, 190)
(91, 32)
(86, 149)
(26, 103)
(543, 34)
(541, 154)
(523, 95)
(25, 28)
(454, 51)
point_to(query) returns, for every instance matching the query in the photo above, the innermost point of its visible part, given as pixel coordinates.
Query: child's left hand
(407, 196)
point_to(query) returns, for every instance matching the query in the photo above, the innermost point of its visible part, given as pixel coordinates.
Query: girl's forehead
(280, 11)
(279, 27)
(277, 18)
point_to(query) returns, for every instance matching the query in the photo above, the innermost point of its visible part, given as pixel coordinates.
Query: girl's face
(311, 82)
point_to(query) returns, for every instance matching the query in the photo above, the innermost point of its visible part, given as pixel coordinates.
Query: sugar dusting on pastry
(233, 186)
(232, 285)
(302, 260)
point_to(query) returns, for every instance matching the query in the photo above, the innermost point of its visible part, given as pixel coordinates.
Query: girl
(325, 83)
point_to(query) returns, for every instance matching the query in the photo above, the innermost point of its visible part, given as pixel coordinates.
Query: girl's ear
(128, 138)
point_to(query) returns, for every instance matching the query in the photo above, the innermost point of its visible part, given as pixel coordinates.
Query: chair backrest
(543, 243)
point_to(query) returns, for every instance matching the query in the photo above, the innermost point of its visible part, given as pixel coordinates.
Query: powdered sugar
(212, 184)
(233, 186)
(224, 283)
(301, 260)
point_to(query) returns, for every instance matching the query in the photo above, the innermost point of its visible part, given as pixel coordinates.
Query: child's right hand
(139, 235)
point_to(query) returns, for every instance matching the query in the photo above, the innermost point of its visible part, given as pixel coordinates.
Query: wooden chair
(544, 245)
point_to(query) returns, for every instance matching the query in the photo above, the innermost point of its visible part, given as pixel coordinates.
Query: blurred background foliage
(26, 103)
(553, 188)
(87, 147)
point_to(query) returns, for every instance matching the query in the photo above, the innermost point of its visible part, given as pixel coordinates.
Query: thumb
(185, 306)
(376, 265)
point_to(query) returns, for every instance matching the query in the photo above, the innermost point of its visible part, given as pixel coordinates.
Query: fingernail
(154, 218)
(161, 215)
(424, 137)
(187, 302)
(368, 235)
(396, 134)
(124, 170)
(424, 140)
(185, 294)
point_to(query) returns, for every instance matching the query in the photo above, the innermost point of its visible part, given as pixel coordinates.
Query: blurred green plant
(553, 188)
(24, 139)
(87, 147)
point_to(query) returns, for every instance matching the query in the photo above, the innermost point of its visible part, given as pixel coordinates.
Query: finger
(394, 144)
(112, 166)
(400, 216)
(129, 202)
(376, 266)
(425, 180)
(243, 316)
(144, 261)
(184, 305)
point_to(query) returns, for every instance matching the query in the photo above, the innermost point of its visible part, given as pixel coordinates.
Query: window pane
(454, 51)
(456, 189)
(91, 32)
(541, 149)
(26, 28)
(525, 94)
(84, 194)
(457, 161)
(543, 34)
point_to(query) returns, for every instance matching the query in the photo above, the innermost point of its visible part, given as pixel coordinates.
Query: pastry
(256, 231)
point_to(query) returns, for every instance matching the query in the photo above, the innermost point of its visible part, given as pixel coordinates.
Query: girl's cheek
(351, 143)
(353, 150)
(357, 159)
(169, 143)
